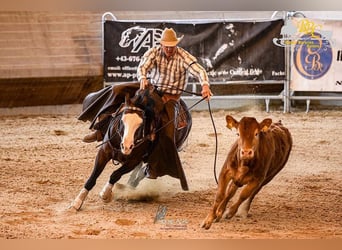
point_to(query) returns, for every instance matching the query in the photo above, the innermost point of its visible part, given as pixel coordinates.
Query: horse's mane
(148, 100)
(151, 103)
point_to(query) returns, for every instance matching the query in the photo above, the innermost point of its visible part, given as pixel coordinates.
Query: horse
(131, 134)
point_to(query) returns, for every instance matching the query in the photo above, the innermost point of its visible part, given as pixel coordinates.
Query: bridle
(141, 113)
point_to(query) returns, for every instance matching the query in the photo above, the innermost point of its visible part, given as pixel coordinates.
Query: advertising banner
(316, 47)
(229, 51)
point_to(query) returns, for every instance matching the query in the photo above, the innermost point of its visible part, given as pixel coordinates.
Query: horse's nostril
(131, 146)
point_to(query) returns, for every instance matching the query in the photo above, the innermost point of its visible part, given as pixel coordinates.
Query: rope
(216, 142)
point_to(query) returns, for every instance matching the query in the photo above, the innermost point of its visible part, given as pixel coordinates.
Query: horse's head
(138, 114)
(132, 119)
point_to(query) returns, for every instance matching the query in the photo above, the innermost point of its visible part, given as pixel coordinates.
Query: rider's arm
(197, 70)
(145, 66)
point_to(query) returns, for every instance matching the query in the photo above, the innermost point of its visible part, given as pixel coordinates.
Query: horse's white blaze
(131, 122)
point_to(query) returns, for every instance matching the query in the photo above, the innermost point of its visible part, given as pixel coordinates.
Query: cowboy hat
(169, 38)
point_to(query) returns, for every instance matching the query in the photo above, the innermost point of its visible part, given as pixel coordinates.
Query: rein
(192, 106)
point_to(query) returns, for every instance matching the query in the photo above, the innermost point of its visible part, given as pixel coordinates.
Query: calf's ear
(265, 124)
(231, 122)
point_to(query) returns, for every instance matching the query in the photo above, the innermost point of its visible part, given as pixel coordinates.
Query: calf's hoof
(206, 224)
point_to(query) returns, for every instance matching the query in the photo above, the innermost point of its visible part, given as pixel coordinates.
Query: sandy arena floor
(44, 164)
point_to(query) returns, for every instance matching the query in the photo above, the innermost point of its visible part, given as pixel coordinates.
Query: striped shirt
(170, 75)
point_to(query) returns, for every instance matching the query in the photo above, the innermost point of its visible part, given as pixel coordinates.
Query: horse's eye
(256, 134)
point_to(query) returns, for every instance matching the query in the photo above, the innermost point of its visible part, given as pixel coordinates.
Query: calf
(259, 153)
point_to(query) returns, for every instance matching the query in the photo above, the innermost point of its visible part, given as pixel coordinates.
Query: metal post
(103, 48)
(287, 102)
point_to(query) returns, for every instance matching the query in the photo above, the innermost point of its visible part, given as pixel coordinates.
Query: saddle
(182, 117)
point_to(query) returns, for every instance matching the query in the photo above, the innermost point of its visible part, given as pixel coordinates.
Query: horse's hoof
(78, 202)
(106, 198)
(106, 193)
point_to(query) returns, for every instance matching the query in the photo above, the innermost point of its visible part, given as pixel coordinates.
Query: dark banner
(229, 51)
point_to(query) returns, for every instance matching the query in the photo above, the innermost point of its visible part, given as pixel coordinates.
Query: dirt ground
(44, 165)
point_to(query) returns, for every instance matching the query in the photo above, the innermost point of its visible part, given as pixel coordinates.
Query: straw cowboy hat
(169, 38)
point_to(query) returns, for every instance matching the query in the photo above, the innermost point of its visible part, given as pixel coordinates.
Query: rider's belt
(166, 97)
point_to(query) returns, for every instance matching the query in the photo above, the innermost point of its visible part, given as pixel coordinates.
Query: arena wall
(49, 58)
(55, 58)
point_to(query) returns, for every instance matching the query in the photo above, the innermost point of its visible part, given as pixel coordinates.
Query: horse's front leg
(102, 158)
(106, 193)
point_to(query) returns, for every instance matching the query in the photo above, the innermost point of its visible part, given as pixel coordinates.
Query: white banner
(316, 54)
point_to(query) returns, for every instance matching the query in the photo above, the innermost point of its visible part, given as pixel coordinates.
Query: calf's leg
(224, 179)
(246, 205)
(230, 192)
(246, 192)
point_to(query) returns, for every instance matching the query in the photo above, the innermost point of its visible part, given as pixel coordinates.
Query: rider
(166, 67)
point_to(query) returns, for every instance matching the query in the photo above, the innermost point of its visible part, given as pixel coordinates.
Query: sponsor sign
(229, 51)
(316, 56)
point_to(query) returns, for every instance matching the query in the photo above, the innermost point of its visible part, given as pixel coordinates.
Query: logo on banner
(139, 38)
(312, 56)
(291, 32)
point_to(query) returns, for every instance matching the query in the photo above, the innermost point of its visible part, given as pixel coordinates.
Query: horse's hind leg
(100, 162)
(137, 175)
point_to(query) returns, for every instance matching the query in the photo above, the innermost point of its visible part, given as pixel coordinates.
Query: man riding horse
(166, 67)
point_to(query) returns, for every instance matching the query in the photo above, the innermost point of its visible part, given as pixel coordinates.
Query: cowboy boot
(93, 136)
